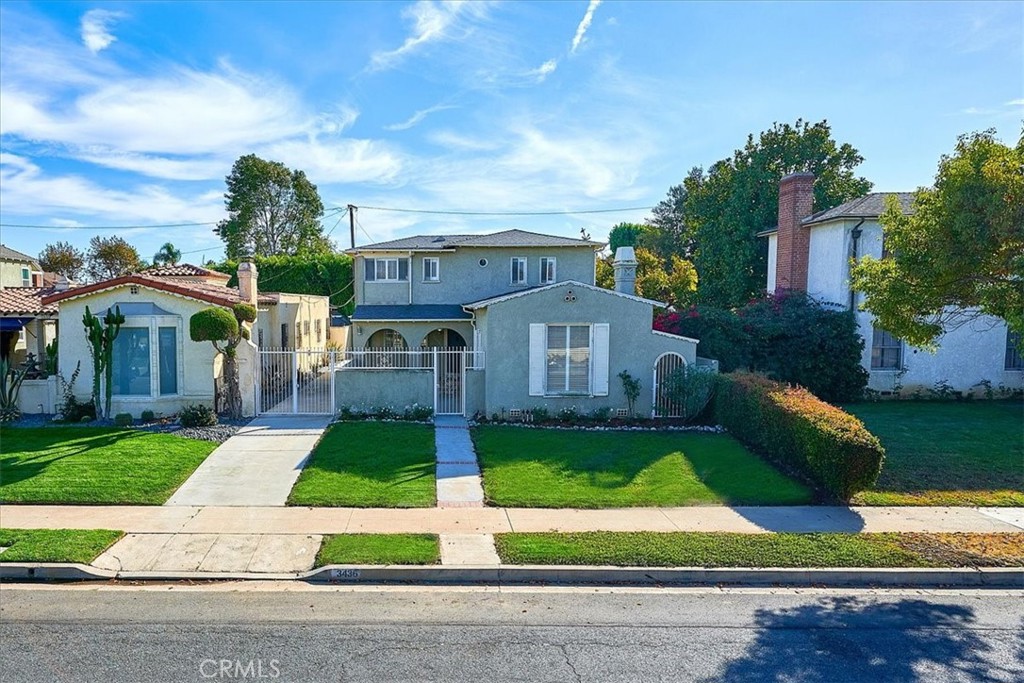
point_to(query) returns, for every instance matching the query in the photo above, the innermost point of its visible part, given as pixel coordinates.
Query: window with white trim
(1014, 359)
(26, 277)
(568, 359)
(432, 269)
(886, 351)
(519, 271)
(547, 270)
(386, 270)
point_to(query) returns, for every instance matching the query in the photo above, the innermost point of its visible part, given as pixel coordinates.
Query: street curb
(965, 577)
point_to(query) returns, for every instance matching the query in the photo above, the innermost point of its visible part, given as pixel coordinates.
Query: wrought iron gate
(667, 369)
(449, 381)
(295, 382)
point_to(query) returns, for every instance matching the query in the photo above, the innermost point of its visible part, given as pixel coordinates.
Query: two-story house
(26, 324)
(502, 322)
(813, 251)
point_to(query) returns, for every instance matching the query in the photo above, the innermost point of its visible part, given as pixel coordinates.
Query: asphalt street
(293, 632)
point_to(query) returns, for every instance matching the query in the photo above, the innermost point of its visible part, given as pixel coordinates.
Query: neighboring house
(26, 325)
(499, 323)
(156, 366)
(812, 252)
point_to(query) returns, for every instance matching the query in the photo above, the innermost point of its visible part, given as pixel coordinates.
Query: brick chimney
(247, 276)
(796, 202)
(625, 270)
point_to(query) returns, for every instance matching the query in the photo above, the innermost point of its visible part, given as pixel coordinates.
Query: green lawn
(55, 545)
(94, 465)
(370, 464)
(577, 469)
(947, 453)
(693, 549)
(379, 549)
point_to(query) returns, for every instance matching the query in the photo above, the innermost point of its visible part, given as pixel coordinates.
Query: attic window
(134, 289)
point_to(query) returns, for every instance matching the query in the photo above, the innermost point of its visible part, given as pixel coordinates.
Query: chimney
(247, 276)
(796, 202)
(625, 270)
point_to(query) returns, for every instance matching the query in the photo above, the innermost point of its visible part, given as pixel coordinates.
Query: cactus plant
(10, 387)
(101, 335)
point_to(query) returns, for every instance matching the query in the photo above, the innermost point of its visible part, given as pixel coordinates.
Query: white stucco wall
(828, 265)
(11, 275)
(195, 360)
(773, 260)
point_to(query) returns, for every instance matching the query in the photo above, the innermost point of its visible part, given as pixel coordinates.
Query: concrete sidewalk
(257, 466)
(458, 473)
(300, 520)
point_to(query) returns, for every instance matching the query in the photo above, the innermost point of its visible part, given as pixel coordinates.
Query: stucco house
(500, 323)
(156, 366)
(26, 324)
(813, 251)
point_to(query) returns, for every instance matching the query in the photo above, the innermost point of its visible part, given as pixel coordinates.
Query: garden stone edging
(707, 429)
(911, 577)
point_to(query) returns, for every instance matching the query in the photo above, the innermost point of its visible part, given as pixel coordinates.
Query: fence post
(437, 383)
(332, 401)
(295, 381)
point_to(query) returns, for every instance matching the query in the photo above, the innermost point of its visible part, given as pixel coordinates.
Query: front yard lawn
(695, 549)
(576, 469)
(370, 464)
(379, 549)
(95, 465)
(947, 453)
(55, 545)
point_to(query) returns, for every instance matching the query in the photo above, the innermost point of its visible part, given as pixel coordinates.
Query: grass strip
(379, 549)
(700, 549)
(55, 545)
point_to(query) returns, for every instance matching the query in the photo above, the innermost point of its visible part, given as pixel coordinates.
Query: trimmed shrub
(197, 415)
(148, 416)
(124, 420)
(798, 431)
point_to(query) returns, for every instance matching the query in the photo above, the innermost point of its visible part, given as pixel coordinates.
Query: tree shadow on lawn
(18, 468)
(850, 639)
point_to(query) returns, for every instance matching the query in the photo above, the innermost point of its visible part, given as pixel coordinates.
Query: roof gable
(514, 238)
(484, 303)
(8, 254)
(208, 292)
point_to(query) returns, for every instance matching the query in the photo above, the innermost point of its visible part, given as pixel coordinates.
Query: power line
(506, 213)
(363, 229)
(329, 212)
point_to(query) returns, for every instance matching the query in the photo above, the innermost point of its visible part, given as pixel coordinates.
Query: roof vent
(438, 239)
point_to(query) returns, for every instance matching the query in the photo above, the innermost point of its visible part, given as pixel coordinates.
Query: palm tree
(167, 256)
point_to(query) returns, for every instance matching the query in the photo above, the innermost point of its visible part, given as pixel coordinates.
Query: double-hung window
(1014, 360)
(386, 270)
(547, 270)
(519, 270)
(26, 277)
(886, 351)
(568, 359)
(432, 269)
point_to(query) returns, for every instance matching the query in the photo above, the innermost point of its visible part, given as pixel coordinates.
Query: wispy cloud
(432, 22)
(544, 70)
(418, 117)
(96, 25)
(1016, 103)
(581, 30)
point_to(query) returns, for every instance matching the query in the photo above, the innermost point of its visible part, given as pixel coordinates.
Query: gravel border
(218, 433)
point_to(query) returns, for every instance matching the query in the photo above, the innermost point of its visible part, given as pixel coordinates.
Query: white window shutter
(599, 360)
(538, 358)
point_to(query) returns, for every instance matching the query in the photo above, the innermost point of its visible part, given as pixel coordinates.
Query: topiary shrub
(792, 427)
(197, 415)
(148, 416)
(124, 420)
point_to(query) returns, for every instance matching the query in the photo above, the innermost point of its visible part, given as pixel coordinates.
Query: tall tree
(960, 253)
(64, 259)
(715, 215)
(110, 257)
(167, 256)
(272, 210)
(624, 235)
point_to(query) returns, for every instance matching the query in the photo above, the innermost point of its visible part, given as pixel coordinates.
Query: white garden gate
(295, 382)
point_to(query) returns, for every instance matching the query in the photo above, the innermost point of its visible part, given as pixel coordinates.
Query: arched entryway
(386, 348)
(445, 338)
(667, 369)
(387, 338)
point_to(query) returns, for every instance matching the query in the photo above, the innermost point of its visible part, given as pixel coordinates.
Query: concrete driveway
(257, 466)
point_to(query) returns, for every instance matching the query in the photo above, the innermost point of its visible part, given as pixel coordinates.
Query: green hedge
(327, 274)
(794, 428)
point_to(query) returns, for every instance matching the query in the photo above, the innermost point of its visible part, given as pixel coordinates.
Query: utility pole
(352, 224)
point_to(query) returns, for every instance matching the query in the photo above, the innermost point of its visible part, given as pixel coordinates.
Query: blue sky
(131, 114)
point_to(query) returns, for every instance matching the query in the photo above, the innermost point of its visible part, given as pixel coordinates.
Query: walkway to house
(458, 473)
(257, 466)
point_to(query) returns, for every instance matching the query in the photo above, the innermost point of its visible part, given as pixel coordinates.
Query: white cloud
(432, 22)
(96, 25)
(1015, 103)
(545, 70)
(418, 117)
(581, 30)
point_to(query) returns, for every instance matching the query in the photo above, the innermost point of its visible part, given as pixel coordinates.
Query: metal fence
(296, 381)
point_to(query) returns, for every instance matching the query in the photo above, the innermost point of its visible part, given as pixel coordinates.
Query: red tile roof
(26, 301)
(185, 270)
(209, 292)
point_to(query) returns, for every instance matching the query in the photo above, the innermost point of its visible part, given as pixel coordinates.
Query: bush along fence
(792, 427)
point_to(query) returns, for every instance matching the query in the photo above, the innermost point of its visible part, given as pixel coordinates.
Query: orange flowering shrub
(799, 431)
